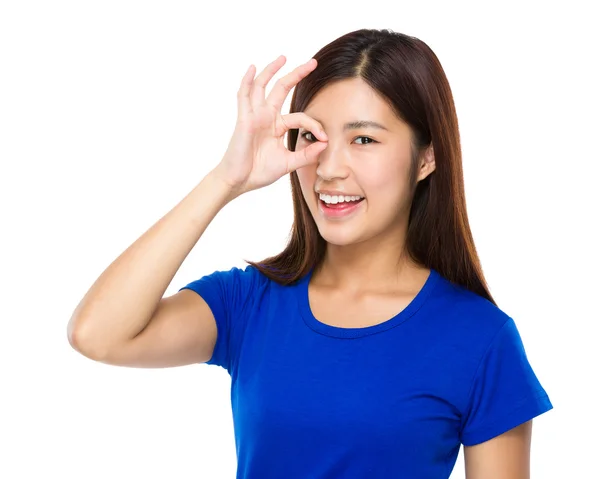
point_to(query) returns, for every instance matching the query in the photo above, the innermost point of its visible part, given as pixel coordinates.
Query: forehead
(350, 100)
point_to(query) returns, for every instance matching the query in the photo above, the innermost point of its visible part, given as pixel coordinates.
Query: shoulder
(236, 285)
(467, 318)
(248, 276)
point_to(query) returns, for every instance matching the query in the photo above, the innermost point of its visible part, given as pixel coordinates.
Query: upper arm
(182, 331)
(504, 398)
(506, 456)
(505, 391)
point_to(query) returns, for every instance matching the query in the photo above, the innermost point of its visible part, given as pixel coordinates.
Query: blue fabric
(394, 400)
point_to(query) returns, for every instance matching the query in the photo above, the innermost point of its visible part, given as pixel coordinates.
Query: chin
(338, 231)
(339, 235)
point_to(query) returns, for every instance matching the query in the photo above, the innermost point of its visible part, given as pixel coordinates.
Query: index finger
(284, 85)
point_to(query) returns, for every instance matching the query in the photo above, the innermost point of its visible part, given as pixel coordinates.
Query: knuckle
(283, 83)
(261, 80)
(284, 123)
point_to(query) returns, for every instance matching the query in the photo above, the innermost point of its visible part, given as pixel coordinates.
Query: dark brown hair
(405, 72)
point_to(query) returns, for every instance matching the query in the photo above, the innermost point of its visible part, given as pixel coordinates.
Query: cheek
(380, 177)
(386, 182)
(307, 177)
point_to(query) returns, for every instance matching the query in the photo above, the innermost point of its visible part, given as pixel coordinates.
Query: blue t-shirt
(396, 399)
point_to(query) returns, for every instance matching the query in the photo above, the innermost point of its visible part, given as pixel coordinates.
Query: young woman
(370, 347)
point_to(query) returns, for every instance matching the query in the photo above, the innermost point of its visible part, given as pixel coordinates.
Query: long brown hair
(406, 72)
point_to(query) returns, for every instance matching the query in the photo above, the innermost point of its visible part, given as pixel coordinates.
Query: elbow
(83, 344)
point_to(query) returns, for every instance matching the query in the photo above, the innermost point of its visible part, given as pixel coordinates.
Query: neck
(370, 266)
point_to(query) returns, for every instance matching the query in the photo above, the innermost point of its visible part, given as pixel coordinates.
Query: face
(369, 161)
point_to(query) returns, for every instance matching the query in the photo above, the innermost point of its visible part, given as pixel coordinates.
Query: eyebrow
(355, 125)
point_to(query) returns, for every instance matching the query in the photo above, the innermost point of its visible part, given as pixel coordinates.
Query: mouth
(339, 210)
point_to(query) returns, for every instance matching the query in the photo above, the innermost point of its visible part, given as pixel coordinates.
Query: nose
(333, 163)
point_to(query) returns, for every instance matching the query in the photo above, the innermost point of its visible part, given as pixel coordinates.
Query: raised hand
(256, 155)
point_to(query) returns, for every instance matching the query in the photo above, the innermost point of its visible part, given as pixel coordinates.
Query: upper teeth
(338, 199)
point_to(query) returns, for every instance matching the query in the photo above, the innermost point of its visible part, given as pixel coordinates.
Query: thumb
(305, 156)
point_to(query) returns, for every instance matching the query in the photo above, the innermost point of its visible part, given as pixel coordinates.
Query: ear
(427, 163)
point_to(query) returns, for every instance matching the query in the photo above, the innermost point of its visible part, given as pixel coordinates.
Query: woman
(371, 346)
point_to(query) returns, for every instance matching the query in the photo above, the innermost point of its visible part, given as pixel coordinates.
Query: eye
(366, 139)
(370, 140)
(303, 135)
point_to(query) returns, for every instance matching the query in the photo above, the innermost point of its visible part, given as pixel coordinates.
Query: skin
(376, 167)
(363, 250)
(506, 456)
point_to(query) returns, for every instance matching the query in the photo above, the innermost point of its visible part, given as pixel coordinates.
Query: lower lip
(339, 210)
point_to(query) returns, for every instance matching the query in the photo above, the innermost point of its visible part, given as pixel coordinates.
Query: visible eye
(367, 142)
(303, 135)
(371, 140)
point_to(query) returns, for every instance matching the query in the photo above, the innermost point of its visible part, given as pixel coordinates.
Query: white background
(111, 112)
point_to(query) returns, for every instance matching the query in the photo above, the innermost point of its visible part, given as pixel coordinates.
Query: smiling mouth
(341, 205)
(338, 210)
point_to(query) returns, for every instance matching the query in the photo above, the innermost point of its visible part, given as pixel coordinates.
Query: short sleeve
(228, 294)
(505, 392)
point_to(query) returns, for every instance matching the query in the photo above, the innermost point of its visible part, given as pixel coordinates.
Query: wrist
(225, 188)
